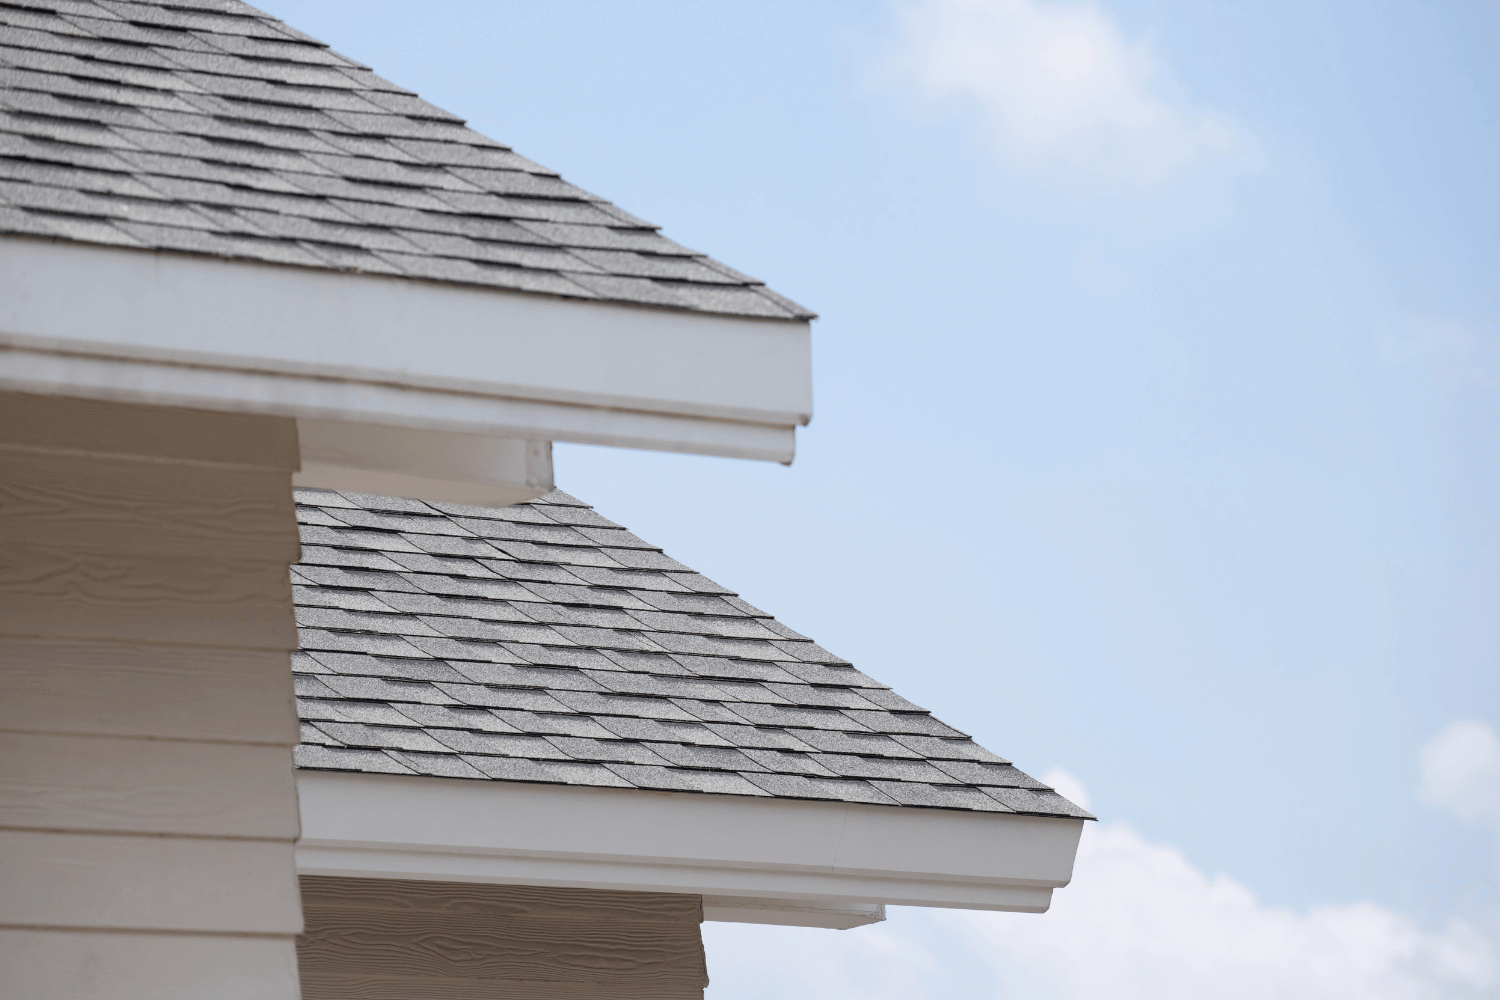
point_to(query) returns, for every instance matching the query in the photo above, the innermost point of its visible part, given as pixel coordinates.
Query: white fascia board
(788, 853)
(225, 334)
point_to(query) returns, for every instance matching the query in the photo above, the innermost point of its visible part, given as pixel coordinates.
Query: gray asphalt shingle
(232, 124)
(530, 678)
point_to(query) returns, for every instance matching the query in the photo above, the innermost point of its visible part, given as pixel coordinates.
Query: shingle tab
(200, 110)
(392, 667)
(438, 765)
(551, 723)
(913, 793)
(448, 717)
(356, 734)
(325, 758)
(553, 772)
(1039, 802)
(533, 678)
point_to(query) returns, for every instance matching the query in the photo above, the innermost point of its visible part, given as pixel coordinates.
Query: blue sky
(1158, 403)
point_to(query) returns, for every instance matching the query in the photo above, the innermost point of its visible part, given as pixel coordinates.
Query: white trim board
(791, 912)
(175, 329)
(800, 860)
(422, 464)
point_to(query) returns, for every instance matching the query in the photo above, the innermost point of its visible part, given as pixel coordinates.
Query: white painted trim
(434, 465)
(195, 331)
(786, 852)
(75, 371)
(791, 912)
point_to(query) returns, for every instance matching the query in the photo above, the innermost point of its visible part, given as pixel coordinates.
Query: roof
(209, 127)
(542, 642)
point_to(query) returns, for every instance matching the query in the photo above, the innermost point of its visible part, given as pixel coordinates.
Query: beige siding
(145, 690)
(146, 713)
(105, 965)
(376, 939)
(181, 787)
(56, 879)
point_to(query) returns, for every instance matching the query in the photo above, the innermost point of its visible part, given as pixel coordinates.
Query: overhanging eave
(210, 333)
(789, 854)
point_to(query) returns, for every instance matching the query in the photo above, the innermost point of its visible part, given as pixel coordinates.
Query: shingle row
(543, 642)
(164, 126)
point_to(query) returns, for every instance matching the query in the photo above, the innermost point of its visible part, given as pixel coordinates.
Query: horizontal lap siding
(146, 712)
(58, 879)
(62, 782)
(160, 508)
(109, 965)
(77, 594)
(388, 939)
(139, 689)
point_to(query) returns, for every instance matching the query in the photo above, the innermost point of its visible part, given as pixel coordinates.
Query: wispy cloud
(1139, 922)
(1461, 772)
(1061, 91)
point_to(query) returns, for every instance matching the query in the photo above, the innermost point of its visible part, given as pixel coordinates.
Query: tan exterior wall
(146, 716)
(380, 939)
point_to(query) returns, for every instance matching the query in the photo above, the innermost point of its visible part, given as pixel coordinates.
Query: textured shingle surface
(208, 127)
(542, 642)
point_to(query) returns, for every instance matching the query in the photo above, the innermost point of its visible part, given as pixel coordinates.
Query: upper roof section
(208, 127)
(544, 643)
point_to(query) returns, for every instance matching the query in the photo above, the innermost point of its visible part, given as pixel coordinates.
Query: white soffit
(194, 331)
(819, 864)
(791, 912)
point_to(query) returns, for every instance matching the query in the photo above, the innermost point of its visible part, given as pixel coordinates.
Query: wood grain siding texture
(196, 884)
(399, 940)
(106, 965)
(104, 505)
(173, 433)
(146, 709)
(64, 782)
(78, 594)
(146, 690)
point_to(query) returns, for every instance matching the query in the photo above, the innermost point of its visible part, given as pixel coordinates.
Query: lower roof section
(819, 864)
(343, 349)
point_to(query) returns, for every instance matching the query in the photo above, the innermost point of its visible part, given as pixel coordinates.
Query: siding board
(89, 965)
(139, 689)
(372, 938)
(147, 786)
(66, 423)
(120, 505)
(148, 882)
(56, 592)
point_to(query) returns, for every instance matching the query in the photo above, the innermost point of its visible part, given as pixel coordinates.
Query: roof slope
(542, 642)
(209, 127)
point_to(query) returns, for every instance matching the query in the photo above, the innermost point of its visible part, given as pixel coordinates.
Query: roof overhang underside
(818, 864)
(399, 372)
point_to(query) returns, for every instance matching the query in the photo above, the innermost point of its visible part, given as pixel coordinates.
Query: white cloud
(1061, 90)
(1139, 922)
(1461, 772)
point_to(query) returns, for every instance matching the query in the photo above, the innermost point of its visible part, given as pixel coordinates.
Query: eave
(821, 864)
(399, 376)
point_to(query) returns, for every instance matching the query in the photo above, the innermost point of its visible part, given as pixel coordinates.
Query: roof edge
(820, 853)
(191, 331)
(800, 314)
